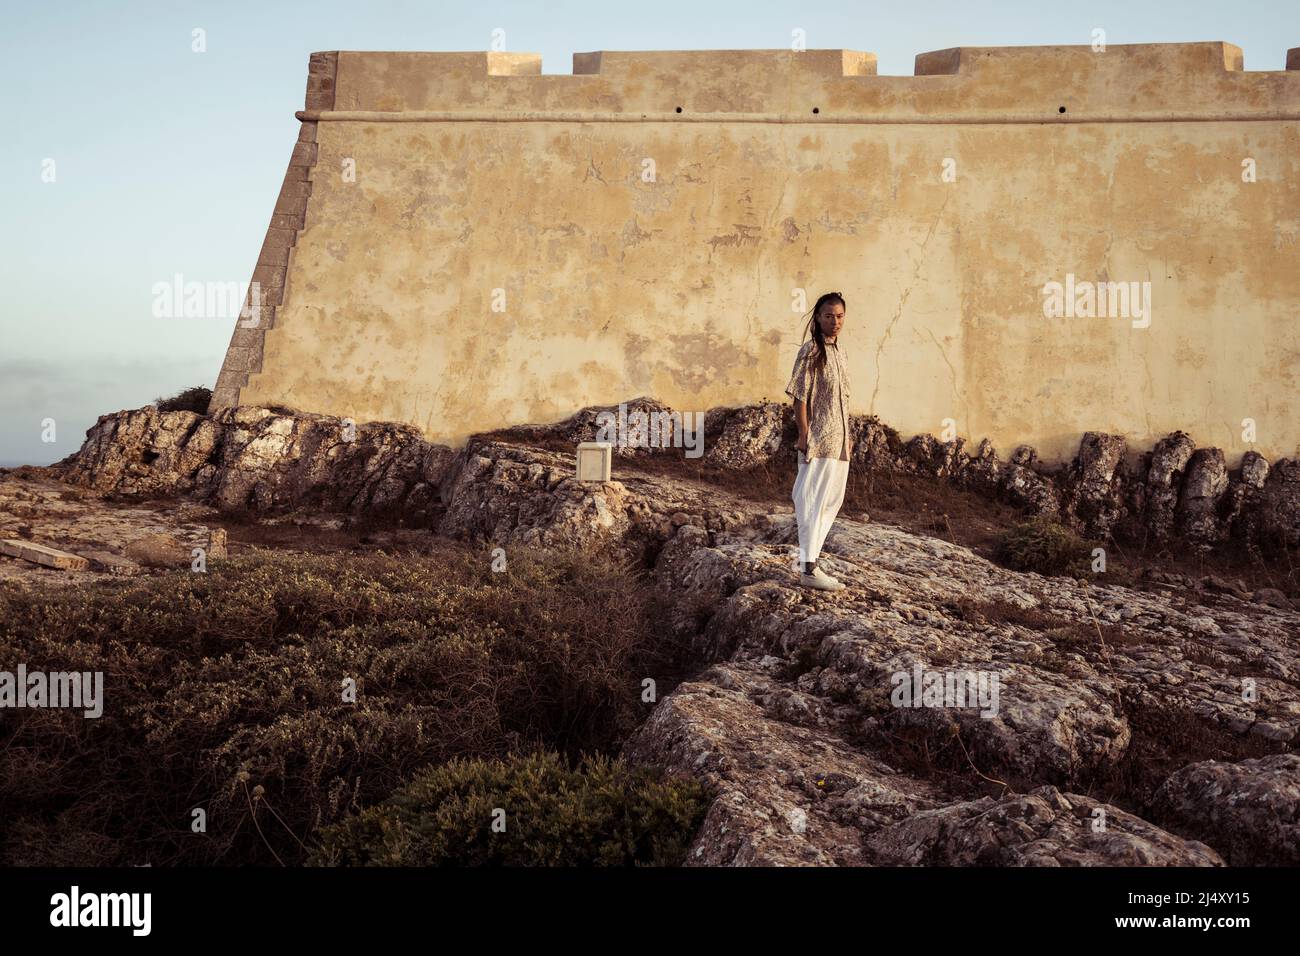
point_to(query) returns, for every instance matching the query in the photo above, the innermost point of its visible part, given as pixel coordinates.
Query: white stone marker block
(595, 458)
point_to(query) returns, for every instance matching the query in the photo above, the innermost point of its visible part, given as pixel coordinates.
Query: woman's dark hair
(814, 329)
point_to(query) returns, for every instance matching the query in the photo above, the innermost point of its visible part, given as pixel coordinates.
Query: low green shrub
(532, 810)
(216, 684)
(1044, 546)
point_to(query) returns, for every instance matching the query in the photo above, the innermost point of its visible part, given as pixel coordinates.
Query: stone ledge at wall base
(252, 458)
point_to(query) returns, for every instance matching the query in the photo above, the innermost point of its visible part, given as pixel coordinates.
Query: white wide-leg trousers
(818, 494)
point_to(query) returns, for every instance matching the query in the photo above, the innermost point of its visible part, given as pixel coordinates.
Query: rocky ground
(1152, 727)
(116, 539)
(795, 724)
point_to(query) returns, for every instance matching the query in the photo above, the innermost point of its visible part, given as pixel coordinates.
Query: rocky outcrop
(788, 793)
(1279, 503)
(795, 728)
(1092, 500)
(785, 794)
(260, 459)
(806, 681)
(1249, 810)
(755, 435)
(640, 415)
(116, 540)
(508, 494)
(1157, 497)
(1042, 828)
(269, 459)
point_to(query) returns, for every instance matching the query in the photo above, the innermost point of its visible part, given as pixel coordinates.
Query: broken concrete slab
(43, 555)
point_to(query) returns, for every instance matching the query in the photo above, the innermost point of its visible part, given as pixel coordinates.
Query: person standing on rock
(819, 386)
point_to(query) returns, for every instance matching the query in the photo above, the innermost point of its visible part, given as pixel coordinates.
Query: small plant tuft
(196, 399)
(1044, 546)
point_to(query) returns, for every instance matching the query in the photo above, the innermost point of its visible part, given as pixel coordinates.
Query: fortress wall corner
(267, 287)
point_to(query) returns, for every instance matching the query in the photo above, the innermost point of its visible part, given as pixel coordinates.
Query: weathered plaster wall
(474, 172)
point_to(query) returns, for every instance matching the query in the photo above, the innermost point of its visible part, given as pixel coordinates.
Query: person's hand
(802, 444)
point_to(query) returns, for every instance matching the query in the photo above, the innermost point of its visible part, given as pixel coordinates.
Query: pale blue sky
(168, 161)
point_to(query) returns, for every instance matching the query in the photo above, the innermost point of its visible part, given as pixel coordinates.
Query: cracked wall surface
(503, 254)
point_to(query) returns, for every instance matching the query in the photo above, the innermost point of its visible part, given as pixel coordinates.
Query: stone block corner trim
(244, 354)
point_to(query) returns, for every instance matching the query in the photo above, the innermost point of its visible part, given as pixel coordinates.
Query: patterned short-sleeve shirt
(826, 390)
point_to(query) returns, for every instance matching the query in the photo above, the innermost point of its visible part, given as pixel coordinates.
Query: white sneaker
(821, 581)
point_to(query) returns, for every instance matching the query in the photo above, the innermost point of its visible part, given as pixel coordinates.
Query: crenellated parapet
(1030, 83)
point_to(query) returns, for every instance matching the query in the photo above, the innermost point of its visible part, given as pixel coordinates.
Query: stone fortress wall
(462, 242)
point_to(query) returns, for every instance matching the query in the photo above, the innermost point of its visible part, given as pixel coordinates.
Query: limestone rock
(1042, 828)
(876, 446)
(628, 439)
(1168, 461)
(785, 796)
(259, 459)
(159, 551)
(115, 564)
(809, 671)
(1026, 488)
(795, 726)
(508, 494)
(79, 520)
(217, 543)
(1273, 598)
(1249, 810)
(1092, 498)
(748, 436)
(1204, 486)
(1279, 511)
